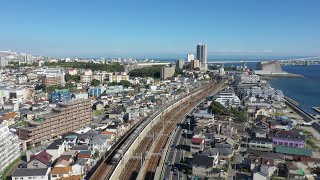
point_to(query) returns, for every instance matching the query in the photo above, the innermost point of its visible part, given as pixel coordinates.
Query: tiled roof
(195, 140)
(61, 170)
(293, 151)
(30, 172)
(43, 157)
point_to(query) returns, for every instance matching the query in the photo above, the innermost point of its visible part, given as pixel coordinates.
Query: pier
(316, 109)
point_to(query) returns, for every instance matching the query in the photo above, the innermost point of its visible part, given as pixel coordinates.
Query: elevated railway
(150, 149)
(113, 157)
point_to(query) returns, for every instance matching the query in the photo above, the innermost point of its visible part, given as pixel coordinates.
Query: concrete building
(9, 147)
(118, 76)
(167, 72)
(52, 76)
(228, 98)
(252, 78)
(202, 56)
(269, 68)
(190, 57)
(3, 62)
(180, 63)
(202, 53)
(66, 117)
(195, 64)
(96, 91)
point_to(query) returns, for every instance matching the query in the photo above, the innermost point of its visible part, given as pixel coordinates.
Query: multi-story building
(60, 96)
(252, 78)
(65, 117)
(118, 76)
(289, 138)
(9, 146)
(53, 80)
(190, 57)
(180, 63)
(3, 62)
(96, 91)
(86, 78)
(195, 64)
(167, 72)
(228, 98)
(202, 56)
(52, 76)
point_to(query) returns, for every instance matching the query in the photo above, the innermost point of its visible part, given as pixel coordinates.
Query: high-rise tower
(202, 53)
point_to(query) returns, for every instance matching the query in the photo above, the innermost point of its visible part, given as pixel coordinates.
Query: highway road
(172, 170)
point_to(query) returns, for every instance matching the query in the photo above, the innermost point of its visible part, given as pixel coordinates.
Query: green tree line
(111, 67)
(153, 71)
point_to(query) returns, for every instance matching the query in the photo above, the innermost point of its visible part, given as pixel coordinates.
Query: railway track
(106, 167)
(133, 166)
(152, 162)
(171, 118)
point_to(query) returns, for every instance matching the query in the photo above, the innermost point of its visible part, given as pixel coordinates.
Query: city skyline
(142, 29)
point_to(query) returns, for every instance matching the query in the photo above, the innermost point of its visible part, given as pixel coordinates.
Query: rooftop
(293, 151)
(30, 172)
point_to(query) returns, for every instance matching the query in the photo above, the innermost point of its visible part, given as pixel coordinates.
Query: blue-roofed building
(60, 96)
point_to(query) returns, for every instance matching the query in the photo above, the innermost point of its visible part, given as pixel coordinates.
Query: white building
(253, 78)
(9, 147)
(190, 57)
(118, 76)
(34, 174)
(228, 98)
(3, 62)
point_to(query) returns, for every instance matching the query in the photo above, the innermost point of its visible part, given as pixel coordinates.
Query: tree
(95, 82)
(73, 77)
(125, 83)
(153, 71)
(111, 67)
(217, 108)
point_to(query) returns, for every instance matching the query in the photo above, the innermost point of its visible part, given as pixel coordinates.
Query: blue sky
(161, 28)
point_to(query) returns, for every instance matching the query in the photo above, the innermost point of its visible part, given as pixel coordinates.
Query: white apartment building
(228, 98)
(9, 147)
(118, 76)
(249, 78)
(190, 57)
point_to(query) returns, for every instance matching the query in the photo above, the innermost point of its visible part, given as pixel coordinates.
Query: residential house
(60, 172)
(98, 106)
(80, 167)
(100, 142)
(261, 144)
(203, 165)
(197, 144)
(34, 174)
(84, 154)
(289, 138)
(41, 160)
(56, 149)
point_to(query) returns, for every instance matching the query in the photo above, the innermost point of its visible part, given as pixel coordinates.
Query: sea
(306, 90)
